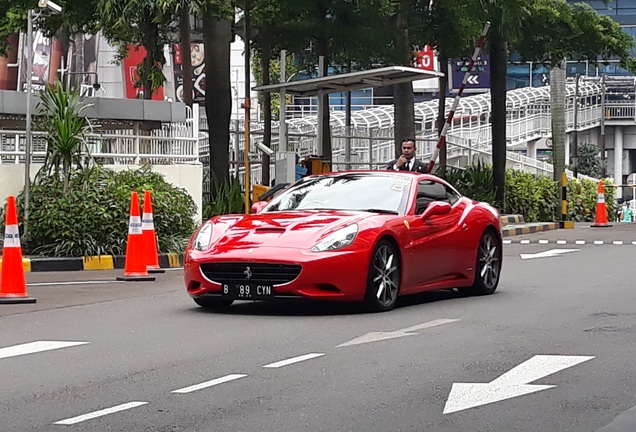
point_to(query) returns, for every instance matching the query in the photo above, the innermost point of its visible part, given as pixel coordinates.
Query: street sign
(513, 383)
(424, 58)
(479, 79)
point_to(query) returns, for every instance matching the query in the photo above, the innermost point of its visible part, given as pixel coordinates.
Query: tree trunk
(217, 36)
(186, 59)
(267, 111)
(557, 111)
(498, 70)
(441, 111)
(78, 66)
(403, 101)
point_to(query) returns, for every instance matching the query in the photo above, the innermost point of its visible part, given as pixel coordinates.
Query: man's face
(408, 149)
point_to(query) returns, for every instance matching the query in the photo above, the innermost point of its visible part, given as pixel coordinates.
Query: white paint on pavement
(100, 413)
(35, 347)
(598, 242)
(379, 336)
(512, 384)
(562, 242)
(617, 242)
(211, 383)
(547, 254)
(525, 242)
(294, 360)
(580, 242)
(89, 282)
(544, 241)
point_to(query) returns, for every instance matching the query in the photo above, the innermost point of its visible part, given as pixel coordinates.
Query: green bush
(475, 182)
(92, 219)
(536, 197)
(228, 199)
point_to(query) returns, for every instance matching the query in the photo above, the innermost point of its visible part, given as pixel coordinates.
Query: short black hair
(410, 140)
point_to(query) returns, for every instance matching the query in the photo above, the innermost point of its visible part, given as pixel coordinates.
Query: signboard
(631, 179)
(198, 72)
(424, 58)
(479, 79)
(133, 60)
(41, 55)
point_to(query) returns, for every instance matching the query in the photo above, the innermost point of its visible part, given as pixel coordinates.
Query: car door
(433, 241)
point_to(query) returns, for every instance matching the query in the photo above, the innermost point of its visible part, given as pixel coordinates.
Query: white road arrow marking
(547, 254)
(512, 384)
(378, 336)
(35, 347)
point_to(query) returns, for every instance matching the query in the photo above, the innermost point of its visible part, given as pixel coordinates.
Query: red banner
(134, 59)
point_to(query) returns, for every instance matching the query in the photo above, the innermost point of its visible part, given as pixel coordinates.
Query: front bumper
(337, 276)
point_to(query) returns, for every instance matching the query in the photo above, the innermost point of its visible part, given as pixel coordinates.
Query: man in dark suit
(407, 160)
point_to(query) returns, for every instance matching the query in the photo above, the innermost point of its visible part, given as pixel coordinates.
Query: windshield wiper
(381, 211)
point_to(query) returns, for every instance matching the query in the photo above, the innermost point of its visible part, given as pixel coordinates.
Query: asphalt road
(555, 342)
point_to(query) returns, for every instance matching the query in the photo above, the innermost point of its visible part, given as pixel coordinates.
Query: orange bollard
(150, 236)
(601, 208)
(12, 280)
(135, 266)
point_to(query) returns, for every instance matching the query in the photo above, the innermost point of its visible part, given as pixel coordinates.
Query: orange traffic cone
(149, 236)
(135, 266)
(12, 281)
(601, 208)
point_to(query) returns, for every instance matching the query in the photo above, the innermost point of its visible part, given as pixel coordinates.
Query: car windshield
(365, 192)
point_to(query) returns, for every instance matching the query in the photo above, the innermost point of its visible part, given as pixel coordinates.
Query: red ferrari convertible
(354, 236)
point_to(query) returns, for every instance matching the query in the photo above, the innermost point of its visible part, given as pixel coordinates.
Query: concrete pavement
(148, 359)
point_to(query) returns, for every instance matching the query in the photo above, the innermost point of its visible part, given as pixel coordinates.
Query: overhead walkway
(368, 142)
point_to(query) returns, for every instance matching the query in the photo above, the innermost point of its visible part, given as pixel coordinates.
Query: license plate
(251, 291)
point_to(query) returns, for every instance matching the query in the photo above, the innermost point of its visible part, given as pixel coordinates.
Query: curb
(512, 219)
(512, 230)
(103, 262)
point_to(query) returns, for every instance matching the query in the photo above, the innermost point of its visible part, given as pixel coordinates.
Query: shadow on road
(301, 307)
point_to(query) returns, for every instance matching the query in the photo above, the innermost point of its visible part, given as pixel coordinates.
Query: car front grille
(267, 273)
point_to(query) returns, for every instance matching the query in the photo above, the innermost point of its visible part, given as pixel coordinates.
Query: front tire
(213, 303)
(383, 281)
(488, 267)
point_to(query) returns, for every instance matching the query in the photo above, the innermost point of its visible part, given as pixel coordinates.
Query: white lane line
(211, 383)
(598, 242)
(507, 241)
(35, 347)
(544, 241)
(562, 242)
(617, 242)
(90, 282)
(100, 413)
(524, 241)
(580, 242)
(294, 360)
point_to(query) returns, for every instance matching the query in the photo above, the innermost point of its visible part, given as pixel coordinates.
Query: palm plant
(61, 112)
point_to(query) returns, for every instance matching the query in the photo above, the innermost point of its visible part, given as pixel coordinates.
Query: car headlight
(339, 239)
(203, 237)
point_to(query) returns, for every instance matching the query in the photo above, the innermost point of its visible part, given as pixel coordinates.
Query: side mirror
(258, 206)
(436, 208)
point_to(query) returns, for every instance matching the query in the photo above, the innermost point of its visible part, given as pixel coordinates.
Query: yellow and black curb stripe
(512, 219)
(103, 262)
(529, 228)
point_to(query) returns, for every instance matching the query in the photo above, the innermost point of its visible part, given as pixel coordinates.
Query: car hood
(298, 229)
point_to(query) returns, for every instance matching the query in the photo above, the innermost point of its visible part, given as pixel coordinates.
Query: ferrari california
(355, 236)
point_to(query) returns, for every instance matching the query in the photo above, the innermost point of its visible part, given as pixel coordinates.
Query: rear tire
(213, 303)
(383, 280)
(488, 266)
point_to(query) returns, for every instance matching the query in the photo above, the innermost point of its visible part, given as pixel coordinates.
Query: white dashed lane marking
(294, 360)
(35, 347)
(100, 413)
(211, 383)
(564, 242)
